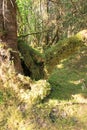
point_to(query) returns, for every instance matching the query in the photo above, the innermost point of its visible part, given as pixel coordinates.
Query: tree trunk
(8, 28)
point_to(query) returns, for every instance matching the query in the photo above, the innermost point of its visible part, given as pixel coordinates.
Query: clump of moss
(25, 89)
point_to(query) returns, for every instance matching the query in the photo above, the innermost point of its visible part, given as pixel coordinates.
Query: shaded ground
(68, 75)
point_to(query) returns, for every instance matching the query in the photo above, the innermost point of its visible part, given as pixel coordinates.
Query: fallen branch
(25, 35)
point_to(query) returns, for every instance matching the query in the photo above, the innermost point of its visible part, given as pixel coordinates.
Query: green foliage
(27, 18)
(53, 20)
(23, 7)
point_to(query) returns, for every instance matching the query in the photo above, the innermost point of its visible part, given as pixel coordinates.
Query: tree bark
(8, 27)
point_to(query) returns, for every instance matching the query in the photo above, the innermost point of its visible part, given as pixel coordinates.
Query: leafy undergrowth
(23, 105)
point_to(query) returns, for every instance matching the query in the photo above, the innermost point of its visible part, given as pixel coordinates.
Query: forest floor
(64, 109)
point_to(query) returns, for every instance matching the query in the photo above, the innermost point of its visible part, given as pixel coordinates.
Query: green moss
(66, 77)
(25, 48)
(59, 111)
(65, 46)
(62, 50)
(33, 59)
(54, 54)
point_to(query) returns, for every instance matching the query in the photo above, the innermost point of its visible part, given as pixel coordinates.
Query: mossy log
(36, 61)
(64, 49)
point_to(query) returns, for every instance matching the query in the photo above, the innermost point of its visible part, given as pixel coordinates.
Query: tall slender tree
(8, 30)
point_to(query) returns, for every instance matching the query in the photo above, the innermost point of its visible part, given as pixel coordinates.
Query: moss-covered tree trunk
(37, 62)
(8, 31)
(64, 49)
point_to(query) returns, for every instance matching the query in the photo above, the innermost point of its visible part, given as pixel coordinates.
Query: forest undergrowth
(34, 105)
